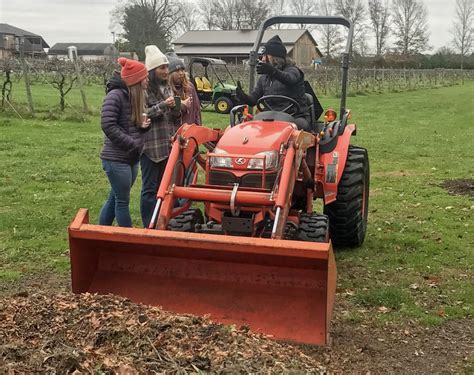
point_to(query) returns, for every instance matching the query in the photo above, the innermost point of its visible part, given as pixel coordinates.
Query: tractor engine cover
(256, 136)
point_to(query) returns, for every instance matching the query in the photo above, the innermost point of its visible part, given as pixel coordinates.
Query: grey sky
(88, 20)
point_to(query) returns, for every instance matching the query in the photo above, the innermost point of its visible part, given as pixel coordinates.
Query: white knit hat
(154, 57)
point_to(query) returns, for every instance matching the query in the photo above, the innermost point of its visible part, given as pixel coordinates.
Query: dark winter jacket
(123, 141)
(287, 82)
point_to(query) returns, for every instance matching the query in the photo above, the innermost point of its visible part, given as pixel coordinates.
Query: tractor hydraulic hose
(155, 214)
(275, 223)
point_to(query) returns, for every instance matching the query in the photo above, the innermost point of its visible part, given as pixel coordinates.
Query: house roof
(5, 28)
(238, 37)
(208, 50)
(97, 49)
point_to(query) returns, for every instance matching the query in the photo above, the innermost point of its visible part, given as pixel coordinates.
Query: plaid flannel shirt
(164, 124)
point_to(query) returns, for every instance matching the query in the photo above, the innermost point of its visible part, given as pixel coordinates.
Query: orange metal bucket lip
(80, 228)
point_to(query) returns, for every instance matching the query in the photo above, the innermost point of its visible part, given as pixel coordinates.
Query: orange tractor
(242, 244)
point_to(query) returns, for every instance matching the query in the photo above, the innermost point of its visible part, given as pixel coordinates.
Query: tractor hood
(225, 87)
(256, 136)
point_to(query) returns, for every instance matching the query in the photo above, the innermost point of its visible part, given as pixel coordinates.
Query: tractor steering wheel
(292, 109)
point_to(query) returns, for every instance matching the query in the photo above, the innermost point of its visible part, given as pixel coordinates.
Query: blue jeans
(152, 173)
(121, 177)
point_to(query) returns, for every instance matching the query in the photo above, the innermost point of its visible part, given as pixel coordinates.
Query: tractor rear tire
(348, 214)
(313, 228)
(223, 105)
(186, 221)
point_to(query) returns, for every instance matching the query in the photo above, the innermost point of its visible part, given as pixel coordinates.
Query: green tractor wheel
(223, 105)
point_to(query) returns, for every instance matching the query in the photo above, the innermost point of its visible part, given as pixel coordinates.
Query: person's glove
(265, 68)
(241, 95)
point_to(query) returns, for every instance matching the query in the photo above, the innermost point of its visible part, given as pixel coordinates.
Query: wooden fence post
(79, 80)
(24, 67)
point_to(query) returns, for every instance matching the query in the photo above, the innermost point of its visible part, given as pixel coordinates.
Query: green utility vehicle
(214, 83)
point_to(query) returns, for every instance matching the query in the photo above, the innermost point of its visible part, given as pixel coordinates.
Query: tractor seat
(310, 102)
(206, 84)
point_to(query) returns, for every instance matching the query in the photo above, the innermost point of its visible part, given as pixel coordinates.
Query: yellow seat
(199, 84)
(206, 85)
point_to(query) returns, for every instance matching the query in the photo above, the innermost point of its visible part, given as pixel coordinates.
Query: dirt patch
(63, 333)
(408, 349)
(46, 282)
(459, 187)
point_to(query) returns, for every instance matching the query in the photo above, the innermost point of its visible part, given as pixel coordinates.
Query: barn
(233, 46)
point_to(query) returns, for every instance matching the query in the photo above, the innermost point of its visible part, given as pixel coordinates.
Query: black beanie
(274, 46)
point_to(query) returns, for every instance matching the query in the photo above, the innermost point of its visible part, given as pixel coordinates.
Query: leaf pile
(85, 333)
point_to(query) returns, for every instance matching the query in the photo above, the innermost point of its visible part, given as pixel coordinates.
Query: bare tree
(462, 28)
(380, 19)
(331, 37)
(411, 27)
(304, 8)
(235, 14)
(224, 14)
(188, 17)
(252, 13)
(205, 11)
(278, 7)
(354, 11)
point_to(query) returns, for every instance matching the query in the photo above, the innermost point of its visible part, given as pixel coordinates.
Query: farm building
(85, 51)
(13, 38)
(234, 46)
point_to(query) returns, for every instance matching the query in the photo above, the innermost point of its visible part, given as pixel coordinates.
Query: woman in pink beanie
(123, 125)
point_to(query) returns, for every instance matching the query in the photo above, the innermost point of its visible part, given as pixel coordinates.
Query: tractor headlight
(271, 160)
(220, 161)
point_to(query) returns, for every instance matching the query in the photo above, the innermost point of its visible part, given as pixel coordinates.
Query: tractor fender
(334, 162)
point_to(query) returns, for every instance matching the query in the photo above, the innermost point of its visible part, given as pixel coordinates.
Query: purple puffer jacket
(123, 141)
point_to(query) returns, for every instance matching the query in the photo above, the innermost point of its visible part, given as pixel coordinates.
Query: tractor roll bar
(314, 20)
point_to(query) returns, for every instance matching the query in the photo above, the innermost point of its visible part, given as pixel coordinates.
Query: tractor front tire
(186, 221)
(313, 228)
(223, 105)
(348, 214)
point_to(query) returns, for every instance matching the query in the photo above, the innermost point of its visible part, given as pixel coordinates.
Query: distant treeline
(439, 60)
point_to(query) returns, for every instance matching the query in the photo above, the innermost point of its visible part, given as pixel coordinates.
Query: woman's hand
(146, 121)
(187, 102)
(170, 102)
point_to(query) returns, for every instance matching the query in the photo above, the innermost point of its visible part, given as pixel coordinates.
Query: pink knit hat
(132, 71)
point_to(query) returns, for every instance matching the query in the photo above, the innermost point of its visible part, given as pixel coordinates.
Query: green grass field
(416, 262)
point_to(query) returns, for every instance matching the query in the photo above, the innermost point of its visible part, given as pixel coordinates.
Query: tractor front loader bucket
(281, 288)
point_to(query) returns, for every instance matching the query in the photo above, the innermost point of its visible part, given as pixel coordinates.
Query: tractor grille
(253, 180)
(221, 178)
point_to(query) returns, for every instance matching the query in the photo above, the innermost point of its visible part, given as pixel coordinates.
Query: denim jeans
(152, 173)
(121, 177)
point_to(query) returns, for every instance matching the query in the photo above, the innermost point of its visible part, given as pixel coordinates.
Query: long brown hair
(137, 100)
(184, 90)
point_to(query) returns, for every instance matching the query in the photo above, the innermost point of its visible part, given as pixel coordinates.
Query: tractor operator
(279, 76)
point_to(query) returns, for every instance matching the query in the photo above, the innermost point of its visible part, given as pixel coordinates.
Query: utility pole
(116, 52)
(24, 66)
(79, 79)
